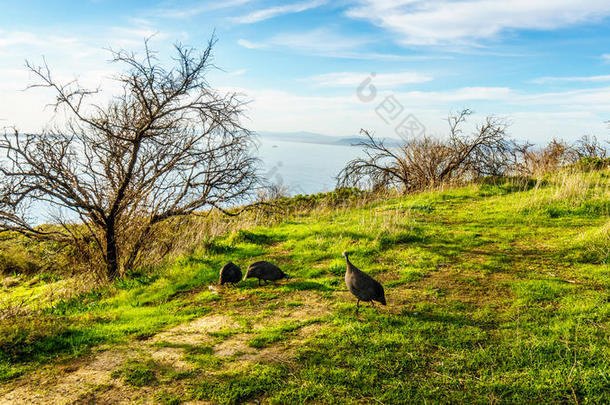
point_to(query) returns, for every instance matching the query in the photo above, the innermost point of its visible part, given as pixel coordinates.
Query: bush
(16, 262)
(428, 162)
(592, 163)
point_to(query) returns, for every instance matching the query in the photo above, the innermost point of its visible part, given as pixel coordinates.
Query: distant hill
(311, 137)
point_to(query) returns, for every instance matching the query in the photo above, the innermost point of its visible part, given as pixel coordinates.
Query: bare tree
(530, 160)
(588, 146)
(429, 162)
(167, 146)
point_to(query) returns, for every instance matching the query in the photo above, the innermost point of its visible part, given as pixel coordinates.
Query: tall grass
(592, 246)
(569, 192)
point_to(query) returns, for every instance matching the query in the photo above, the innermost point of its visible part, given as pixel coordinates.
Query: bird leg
(372, 303)
(357, 307)
(259, 282)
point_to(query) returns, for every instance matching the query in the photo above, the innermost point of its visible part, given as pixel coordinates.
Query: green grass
(137, 373)
(275, 334)
(234, 387)
(496, 293)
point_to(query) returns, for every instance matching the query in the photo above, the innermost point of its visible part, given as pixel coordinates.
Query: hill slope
(496, 293)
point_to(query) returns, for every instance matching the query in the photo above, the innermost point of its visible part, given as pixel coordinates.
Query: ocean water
(304, 168)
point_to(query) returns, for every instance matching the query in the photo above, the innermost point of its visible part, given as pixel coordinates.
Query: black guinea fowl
(230, 273)
(265, 271)
(364, 287)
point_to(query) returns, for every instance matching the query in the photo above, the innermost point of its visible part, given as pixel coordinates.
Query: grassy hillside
(496, 293)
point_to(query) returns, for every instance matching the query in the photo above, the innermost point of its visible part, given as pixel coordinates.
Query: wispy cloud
(251, 45)
(459, 95)
(606, 57)
(323, 42)
(238, 72)
(571, 79)
(267, 13)
(575, 112)
(21, 38)
(353, 79)
(317, 41)
(186, 11)
(439, 22)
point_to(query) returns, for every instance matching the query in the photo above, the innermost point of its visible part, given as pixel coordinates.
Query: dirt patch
(88, 379)
(195, 332)
(170, 357)
(233, 346)
(67, 384)
(236, 347)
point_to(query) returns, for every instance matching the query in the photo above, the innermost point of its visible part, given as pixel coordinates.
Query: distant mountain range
(310, 137)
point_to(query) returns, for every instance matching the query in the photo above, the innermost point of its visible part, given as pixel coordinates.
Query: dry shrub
(428, 162)
(431, 163)
(587, 152)
(530, 161)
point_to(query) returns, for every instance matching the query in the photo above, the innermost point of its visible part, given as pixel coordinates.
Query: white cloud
(133, 37)
(267, 13)
(22, 38)
(436, 98)
(323, 42)
(250, 45)
(187, 11)
(606, 57)
(536, 117)
(282, 111)
(571, 79)
(318, 40)
(439, 22)
(82, 57)
(353, 79)
(590, 99)
(597, 99)
(238, 72)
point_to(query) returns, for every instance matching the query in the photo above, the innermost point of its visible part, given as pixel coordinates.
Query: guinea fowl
(265, 271)
(364, 287)
(230, 273)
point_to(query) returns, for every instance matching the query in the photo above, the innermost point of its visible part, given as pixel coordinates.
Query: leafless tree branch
(168, 145)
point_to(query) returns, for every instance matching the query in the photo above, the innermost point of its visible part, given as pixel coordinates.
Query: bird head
(345, 254)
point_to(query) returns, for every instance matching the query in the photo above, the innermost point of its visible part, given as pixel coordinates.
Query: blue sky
(543, 65)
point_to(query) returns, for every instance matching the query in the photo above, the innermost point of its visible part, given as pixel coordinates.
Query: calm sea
(305, 168)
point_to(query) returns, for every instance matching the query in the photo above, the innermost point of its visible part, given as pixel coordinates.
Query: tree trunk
(112, 264)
